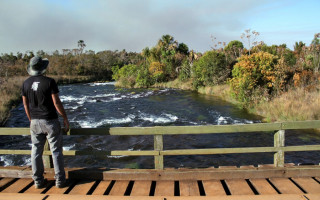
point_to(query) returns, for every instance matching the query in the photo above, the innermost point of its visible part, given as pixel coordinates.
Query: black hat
(37, 66)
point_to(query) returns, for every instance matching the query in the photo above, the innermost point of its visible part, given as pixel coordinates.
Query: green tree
(210, 69)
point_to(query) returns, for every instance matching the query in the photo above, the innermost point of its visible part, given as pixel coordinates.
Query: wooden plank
(158, 146)
(5, 182)
(285, 186)
(308, 184)
(119, 188)
(263, 186)
(101, 188)
(301, 125)
(213, 188)
(279, 138)
(33, 190)
(10, 196)
(55, 190)
(238, 187)
(164, 188)
(18, 185)
(189, 188)
(82, 187)
(135, 153)
(218, 151)
(47, 159)
(141, 188)
(17, 196)
(14, 131)
(88, 131)
(172, 130)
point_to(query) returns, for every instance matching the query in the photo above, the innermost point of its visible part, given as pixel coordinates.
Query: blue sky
(135, 24)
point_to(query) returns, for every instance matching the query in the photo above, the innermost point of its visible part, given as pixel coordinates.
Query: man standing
(41, 102)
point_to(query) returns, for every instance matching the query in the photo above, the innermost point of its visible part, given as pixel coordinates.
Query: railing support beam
(279, 139)
(158, 146)
(47, 160)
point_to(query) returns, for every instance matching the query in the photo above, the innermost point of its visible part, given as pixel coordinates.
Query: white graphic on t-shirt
(35, 86)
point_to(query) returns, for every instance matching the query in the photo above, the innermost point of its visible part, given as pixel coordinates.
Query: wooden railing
(158, 132)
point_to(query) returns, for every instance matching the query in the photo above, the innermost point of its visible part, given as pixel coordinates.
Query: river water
(94, 105)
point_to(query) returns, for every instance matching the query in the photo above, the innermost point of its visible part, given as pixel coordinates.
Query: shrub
(210, 69)
(256, 76)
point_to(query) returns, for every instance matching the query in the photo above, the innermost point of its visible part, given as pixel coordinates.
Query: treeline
(258, 73)
(70, 62)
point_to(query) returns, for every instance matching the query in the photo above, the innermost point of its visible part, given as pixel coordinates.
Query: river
(94, 105)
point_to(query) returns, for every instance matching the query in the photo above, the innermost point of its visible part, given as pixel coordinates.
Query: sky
(49, 25)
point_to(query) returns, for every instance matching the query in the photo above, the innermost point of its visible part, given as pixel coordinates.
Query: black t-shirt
(38, 90)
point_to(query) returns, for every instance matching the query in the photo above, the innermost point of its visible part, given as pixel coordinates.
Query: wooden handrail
(278, 149)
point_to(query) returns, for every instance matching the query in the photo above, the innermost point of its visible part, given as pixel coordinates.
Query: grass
(10, 92)
(294, 105)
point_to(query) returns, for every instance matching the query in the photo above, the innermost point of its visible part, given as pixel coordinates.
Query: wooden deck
(263, 182)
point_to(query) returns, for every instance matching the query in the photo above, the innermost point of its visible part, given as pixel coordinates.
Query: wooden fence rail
(278, 149)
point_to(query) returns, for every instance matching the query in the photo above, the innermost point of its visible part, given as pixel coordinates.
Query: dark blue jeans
(40, 131)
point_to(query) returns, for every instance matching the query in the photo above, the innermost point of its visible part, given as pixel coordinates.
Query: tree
(81, 45)
(210, 69)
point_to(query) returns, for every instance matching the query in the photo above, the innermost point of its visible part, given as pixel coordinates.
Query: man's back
(38, 90)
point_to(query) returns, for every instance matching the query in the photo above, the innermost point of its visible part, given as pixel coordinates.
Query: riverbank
(10, 91)
(296, 104)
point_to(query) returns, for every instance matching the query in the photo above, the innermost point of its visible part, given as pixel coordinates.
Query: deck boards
(213, 188)
(82, 187)
(141, 188)
(119, 188)
(164, 188)
(308, 184)
(239, 187)
(262, 186)
(18, 185)
(175, 187)
(189, 188)
(101, 188)
(285, 186)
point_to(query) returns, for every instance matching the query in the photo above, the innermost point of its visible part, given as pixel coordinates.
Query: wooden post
(47, 160)
(279, 138)
(158, 146)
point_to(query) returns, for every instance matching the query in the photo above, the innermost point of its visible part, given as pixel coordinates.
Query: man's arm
(26, 106)
(57, 103)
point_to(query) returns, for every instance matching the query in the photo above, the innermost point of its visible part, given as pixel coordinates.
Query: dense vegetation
(254, 76)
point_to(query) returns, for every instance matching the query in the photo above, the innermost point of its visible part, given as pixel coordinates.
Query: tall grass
(10, 93)
(294, 105)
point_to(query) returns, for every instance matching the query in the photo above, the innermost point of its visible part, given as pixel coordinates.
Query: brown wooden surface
(18, 185)
(213, 188)
(119, 188)
(82, 187)
(5, 181)
(55, 190)
(33, 190)
(12, 196)
(164, 188)
(141, 188)
(189, 188)
(101, 188)
(285, 186)
(263, 186)
(238, 187)
(308, 184)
